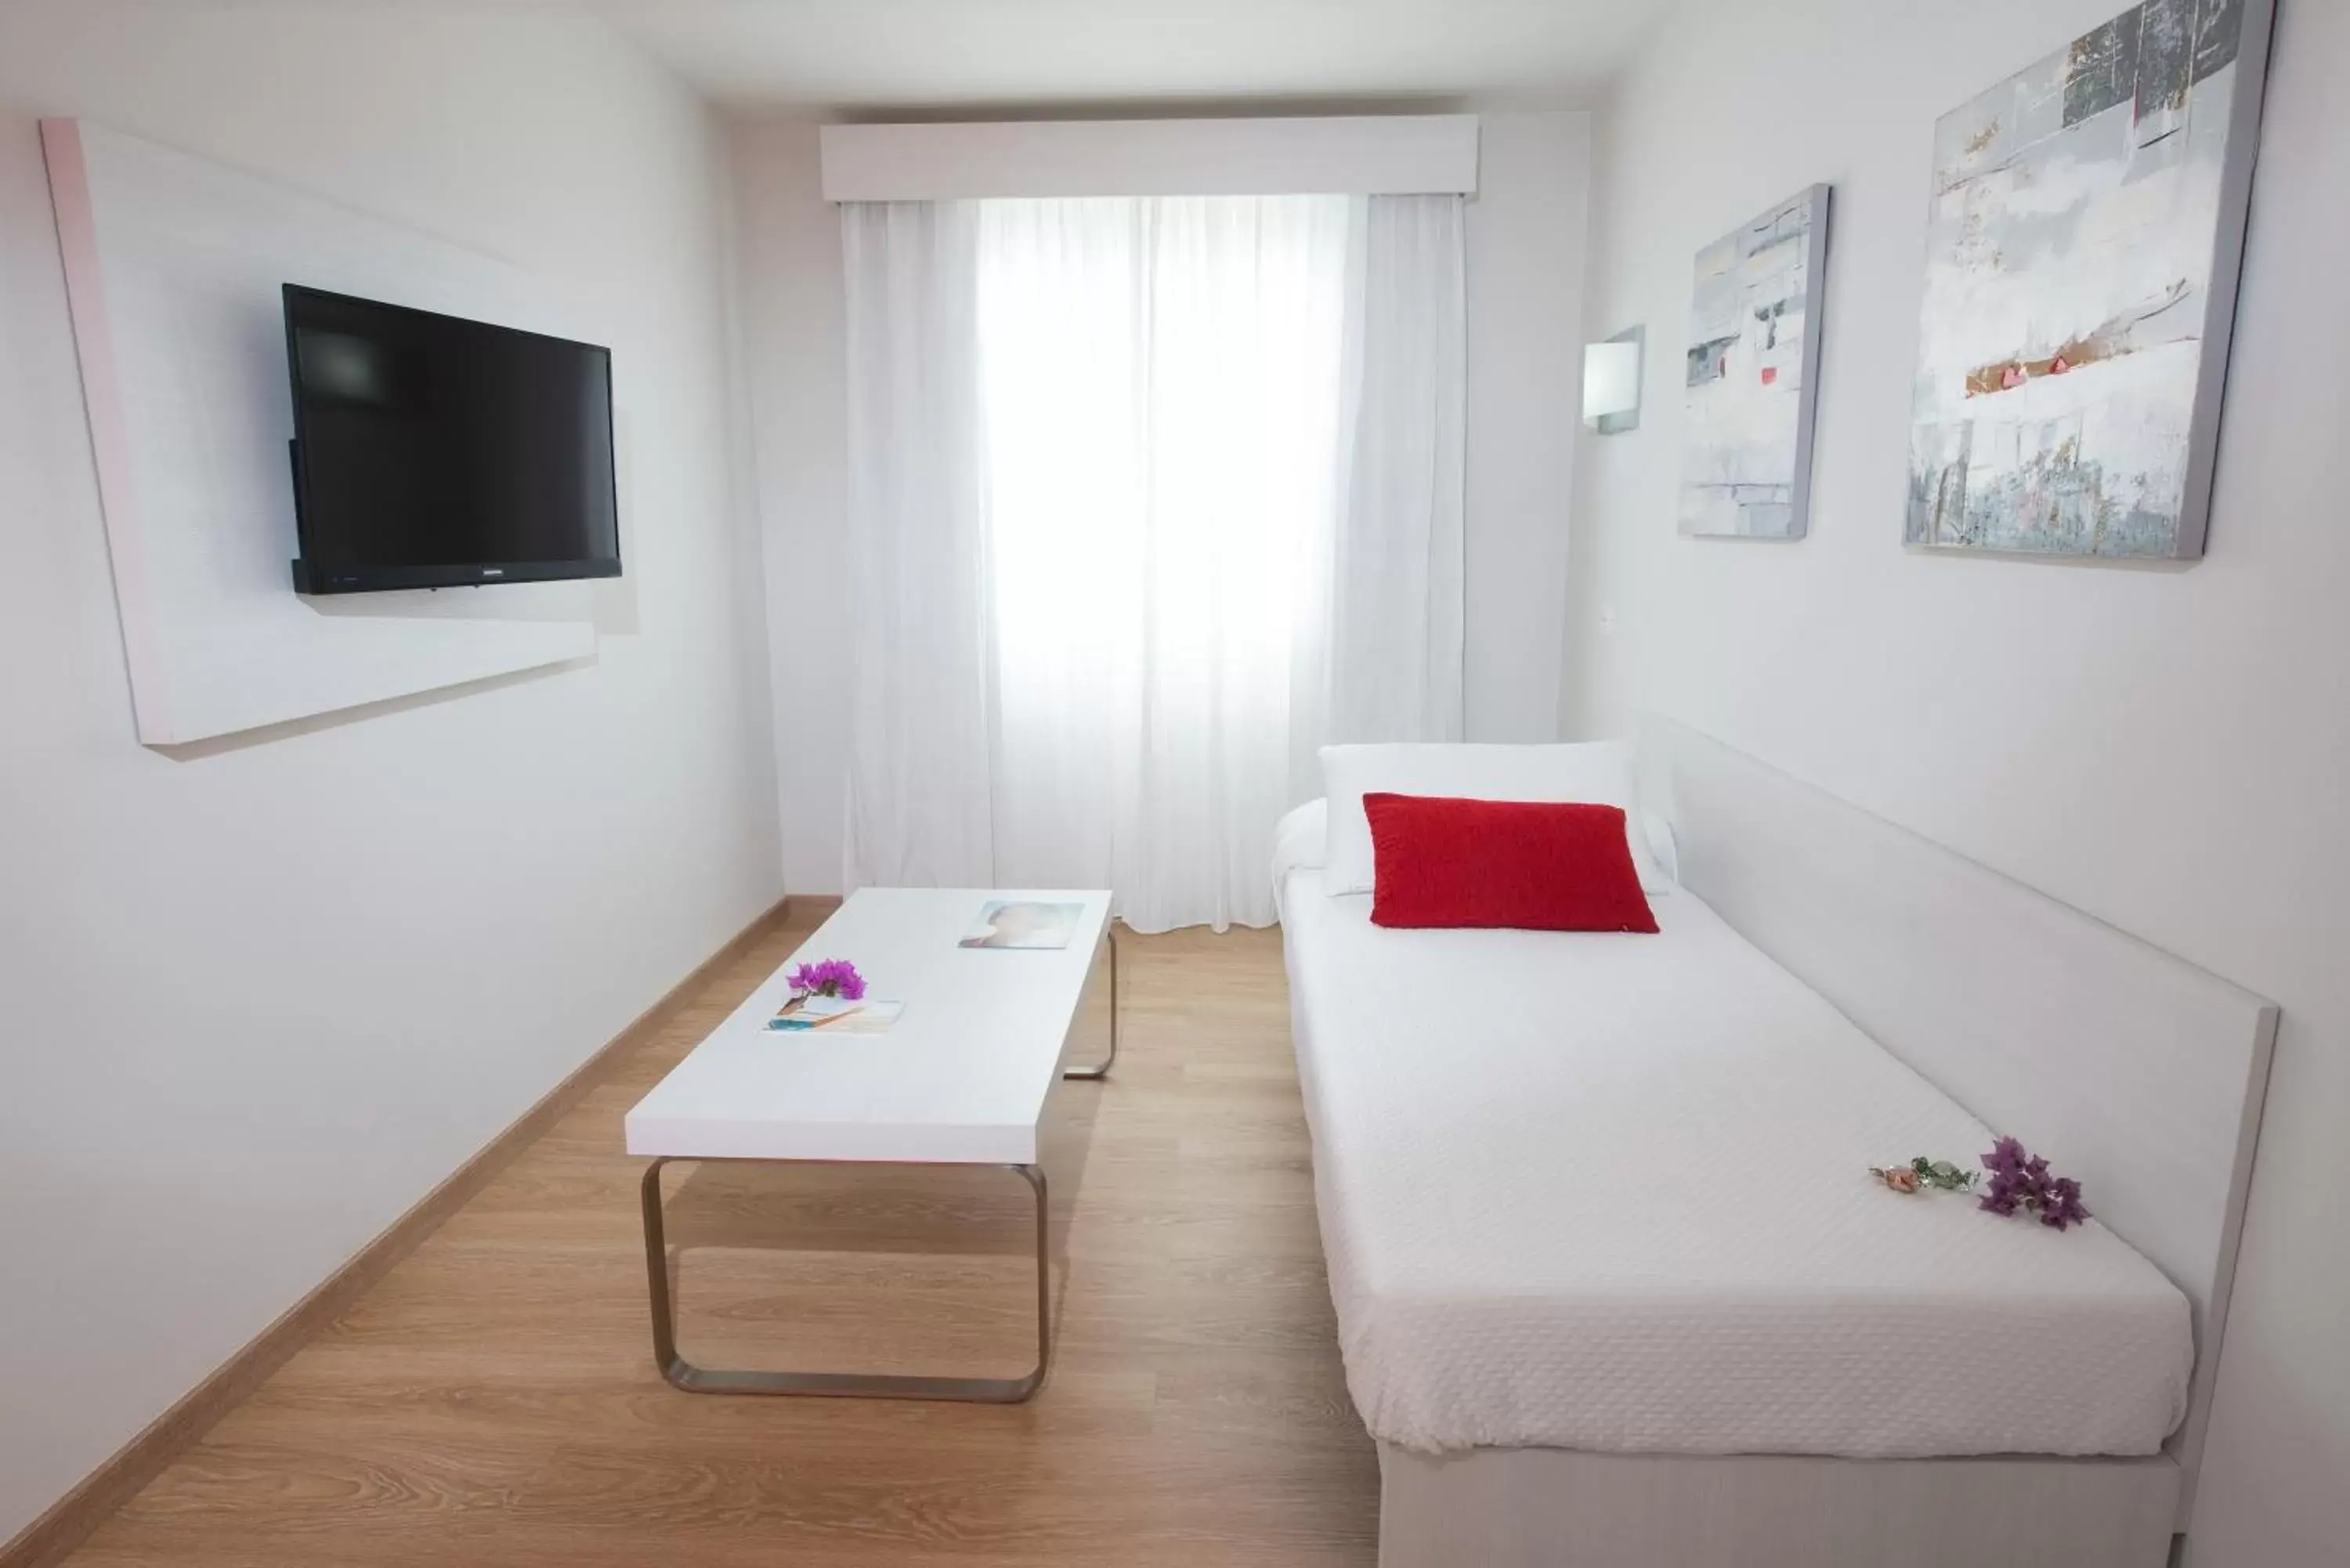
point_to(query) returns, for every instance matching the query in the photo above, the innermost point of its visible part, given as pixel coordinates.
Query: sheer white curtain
(918, 796)
(1160, 388)
(1186, 504)
(1397, 560)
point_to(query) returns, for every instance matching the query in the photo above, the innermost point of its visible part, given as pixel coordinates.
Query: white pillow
(1597, 773)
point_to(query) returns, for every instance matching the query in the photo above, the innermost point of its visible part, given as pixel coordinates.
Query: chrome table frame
(1109, 938)
(683, 1375)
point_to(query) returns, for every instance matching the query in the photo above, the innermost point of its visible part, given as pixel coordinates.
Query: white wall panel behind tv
(173, 266)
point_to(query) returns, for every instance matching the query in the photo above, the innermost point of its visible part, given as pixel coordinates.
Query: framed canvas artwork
(1753, 379)
(2082, 247)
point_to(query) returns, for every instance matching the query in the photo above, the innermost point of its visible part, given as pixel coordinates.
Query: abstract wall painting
(2083, 248)
(1754, 375)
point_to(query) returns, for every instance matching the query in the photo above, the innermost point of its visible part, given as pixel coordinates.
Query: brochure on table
(835, 1015)
(1014, 923)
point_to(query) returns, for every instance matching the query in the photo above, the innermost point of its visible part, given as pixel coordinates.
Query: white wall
(2166, 748)
(792, 296)
(1526, 248)
(260, 998)
(1525, 257)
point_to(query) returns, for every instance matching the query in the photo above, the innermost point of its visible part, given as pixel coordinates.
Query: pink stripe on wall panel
(109, 434)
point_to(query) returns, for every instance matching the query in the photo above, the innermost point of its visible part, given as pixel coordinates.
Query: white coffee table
(963, 1078)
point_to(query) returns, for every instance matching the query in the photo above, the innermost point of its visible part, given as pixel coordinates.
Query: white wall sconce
(1611, 382)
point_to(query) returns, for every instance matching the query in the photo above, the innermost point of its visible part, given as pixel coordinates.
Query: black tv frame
(309, 580)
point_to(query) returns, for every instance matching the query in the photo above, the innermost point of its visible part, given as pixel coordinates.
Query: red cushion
(1541, 865)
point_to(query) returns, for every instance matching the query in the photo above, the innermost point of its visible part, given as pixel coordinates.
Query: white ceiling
(947, 53)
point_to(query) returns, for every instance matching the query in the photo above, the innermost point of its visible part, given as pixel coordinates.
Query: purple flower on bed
(833, 977)
(2063, 1205)
(2020, 1183)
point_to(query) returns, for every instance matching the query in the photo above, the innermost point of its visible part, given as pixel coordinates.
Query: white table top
(963, 1077)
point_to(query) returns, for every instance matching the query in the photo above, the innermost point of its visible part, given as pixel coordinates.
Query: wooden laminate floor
(493, 1399)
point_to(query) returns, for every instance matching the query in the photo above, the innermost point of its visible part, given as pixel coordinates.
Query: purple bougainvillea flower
(2005, 1158)
(833, 977)
(2063, 1207)
(2020, 1183)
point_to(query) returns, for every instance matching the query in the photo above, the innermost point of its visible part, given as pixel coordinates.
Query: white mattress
(1609, 1191)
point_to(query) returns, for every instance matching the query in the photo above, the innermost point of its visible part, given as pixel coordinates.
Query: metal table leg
(866, 1384)
(1109, 935)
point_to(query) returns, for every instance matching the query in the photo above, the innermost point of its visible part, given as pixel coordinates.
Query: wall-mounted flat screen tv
(431, 451)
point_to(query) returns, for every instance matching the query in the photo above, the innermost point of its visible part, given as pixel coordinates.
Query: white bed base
(1553, 1508)
(2139, 1071)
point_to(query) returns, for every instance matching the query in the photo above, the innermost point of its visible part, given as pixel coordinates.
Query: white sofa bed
(1597, 1218)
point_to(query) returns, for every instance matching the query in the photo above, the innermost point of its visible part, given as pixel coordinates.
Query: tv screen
(430, 451)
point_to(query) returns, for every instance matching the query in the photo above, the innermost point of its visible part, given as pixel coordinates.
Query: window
(1159, 401)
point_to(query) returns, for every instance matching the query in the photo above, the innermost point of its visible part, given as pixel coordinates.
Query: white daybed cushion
(1599, 772)
(1607, 1191)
